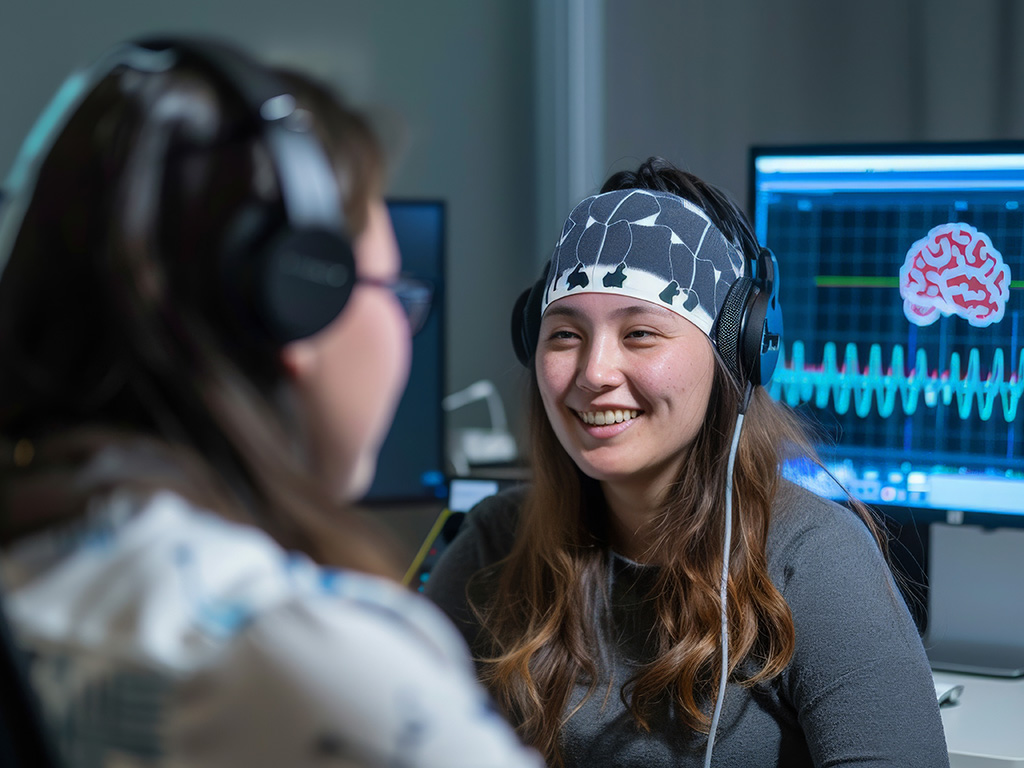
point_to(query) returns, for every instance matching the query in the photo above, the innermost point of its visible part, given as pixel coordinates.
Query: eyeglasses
(413, 294)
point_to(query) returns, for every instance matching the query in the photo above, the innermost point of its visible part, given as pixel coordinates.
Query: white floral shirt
(167, 636)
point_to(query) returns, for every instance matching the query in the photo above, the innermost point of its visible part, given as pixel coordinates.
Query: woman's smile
(606, 424)
(607, 416)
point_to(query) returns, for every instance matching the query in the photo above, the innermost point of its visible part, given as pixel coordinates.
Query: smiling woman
(612, 612)
(602, 356)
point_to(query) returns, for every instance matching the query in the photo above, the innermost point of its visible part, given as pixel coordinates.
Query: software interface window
(902, 275)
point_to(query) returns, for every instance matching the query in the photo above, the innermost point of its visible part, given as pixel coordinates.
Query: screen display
(411, 463)
(902, 292)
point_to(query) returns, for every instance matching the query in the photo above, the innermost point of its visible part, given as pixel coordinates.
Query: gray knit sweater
(858, 691)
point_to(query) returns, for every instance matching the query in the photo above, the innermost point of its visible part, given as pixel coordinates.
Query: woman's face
(351, 375)
(625, 384)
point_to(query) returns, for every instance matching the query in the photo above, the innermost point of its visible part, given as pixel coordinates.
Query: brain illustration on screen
(954, 270)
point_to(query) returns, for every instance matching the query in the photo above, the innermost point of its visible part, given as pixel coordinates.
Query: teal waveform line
(795, 382)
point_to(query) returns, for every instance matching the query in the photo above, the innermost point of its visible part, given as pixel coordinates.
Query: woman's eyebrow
(560, 310)
(646, 308)
(632, 310)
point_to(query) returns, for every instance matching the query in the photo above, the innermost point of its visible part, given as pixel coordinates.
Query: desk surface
(986, 728)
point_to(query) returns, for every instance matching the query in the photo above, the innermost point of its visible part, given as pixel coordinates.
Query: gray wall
(700, 81)
(472, 96)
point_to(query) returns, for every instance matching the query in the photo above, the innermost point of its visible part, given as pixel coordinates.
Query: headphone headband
(273, 273)
(309, 189)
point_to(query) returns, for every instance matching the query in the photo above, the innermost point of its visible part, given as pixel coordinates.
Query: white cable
(723, 592)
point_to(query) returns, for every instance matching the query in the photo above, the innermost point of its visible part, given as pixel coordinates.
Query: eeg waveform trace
(877, 386)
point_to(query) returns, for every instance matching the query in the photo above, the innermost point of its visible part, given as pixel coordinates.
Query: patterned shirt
(161, 635)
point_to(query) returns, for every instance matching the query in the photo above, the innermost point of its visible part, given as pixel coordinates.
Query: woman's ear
(298, 358)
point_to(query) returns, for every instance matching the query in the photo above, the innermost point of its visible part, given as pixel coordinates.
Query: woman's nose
(600, 366)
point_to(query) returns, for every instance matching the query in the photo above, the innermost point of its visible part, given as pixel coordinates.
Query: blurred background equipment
(470, 447)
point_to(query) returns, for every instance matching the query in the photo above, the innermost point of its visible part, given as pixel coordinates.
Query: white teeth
(600, 418)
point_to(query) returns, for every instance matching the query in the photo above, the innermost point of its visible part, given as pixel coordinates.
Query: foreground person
(204, 335)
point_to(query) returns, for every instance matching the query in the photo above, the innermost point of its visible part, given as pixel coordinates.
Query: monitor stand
(976, 600)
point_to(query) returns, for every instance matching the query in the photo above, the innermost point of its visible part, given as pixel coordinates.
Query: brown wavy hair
(115, 332)
(539, 622)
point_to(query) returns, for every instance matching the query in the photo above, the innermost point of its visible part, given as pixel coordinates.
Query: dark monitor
(411, 463)
(902, 288)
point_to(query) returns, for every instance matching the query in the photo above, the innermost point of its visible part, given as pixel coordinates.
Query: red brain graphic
(954, 269)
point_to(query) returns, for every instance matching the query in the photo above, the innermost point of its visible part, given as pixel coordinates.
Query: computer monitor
(902, 292)
(902, 288)
(411, 464)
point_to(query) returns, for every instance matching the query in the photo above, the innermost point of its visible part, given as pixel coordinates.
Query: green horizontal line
(850, 281)
(844, 281)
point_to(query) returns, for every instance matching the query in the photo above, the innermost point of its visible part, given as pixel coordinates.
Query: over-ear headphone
(286, 277)
(526, 320)
(747, 332)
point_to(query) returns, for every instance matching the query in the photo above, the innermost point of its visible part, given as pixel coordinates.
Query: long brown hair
(540, 618)
(114, 329)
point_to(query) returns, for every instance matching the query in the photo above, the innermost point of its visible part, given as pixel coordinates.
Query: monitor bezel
(981, 147)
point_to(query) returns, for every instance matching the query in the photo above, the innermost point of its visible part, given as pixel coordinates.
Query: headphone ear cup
(303, 280)
(763, 339)
(752, 336)
(730, 326)
(749, 333)
(526, 321)
(519, 343)
(283, 283)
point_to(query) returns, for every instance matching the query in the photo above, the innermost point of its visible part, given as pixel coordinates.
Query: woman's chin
(356, 483)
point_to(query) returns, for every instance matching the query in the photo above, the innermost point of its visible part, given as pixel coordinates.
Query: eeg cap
(649, 245)
(659, 247)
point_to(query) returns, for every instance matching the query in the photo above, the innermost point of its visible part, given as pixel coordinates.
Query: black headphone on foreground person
(747, 333)
(288, 276)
